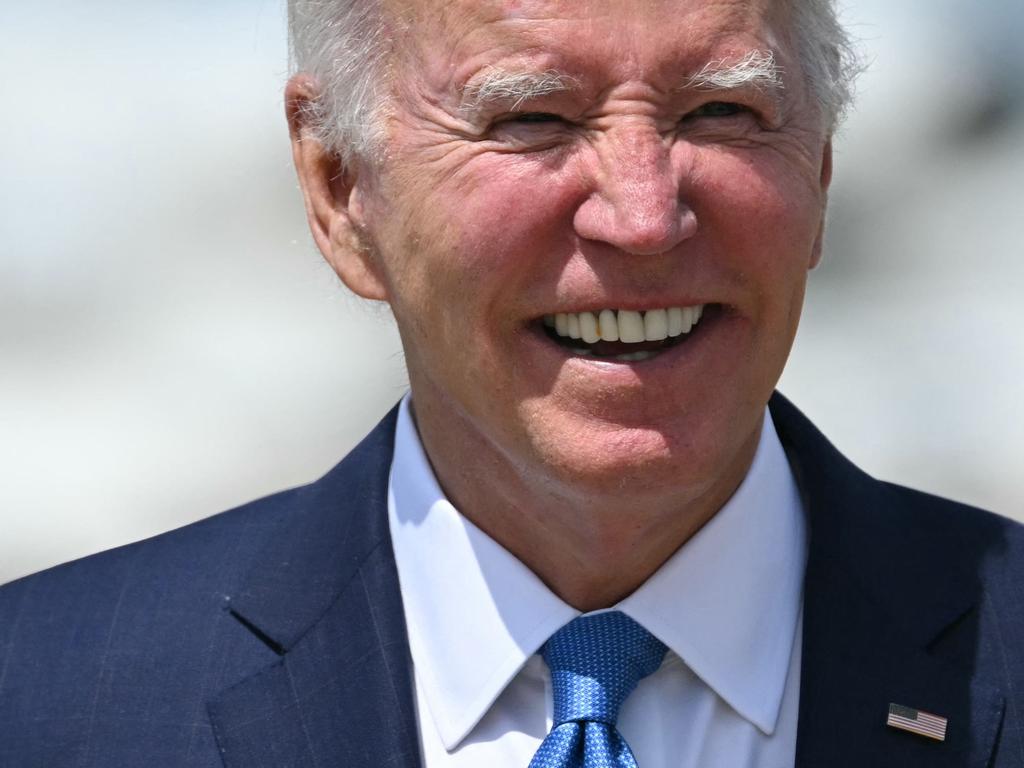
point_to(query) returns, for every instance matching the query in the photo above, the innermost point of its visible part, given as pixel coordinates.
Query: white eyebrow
(510, 89)
(757, 69)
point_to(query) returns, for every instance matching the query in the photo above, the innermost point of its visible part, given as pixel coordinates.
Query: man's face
(614, 186)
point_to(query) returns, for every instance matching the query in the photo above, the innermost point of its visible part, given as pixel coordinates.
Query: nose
(634, 202)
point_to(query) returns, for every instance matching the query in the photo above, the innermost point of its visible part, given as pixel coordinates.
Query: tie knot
(596, 662)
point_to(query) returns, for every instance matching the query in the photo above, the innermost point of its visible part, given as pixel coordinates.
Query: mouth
(625, 336)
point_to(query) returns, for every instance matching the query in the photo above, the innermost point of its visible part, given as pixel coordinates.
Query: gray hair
(828, 57)
(343, 45)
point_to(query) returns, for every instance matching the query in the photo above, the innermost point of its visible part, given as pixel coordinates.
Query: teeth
(625, 325)
(676, 321)
(574, 326)
(655, 325)
(631, 326)
(588, 327)
(689, 317)
(608, 324)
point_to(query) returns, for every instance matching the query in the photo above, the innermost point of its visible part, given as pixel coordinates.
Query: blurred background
(172, 345)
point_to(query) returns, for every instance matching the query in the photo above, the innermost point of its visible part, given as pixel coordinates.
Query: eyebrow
(758, 69)
(500, 87)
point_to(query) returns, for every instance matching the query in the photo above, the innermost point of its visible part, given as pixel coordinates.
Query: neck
(592, 548)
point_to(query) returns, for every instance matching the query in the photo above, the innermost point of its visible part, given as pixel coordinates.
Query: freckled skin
(478, 224)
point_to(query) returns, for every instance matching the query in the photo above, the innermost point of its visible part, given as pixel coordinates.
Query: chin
(612, 459)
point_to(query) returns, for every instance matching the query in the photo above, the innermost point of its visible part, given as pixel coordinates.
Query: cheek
(465, 248)
(502, 198)
(505, 223)
(763, 216)
(762, 220)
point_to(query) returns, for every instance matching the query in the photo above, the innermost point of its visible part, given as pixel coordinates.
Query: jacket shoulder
(106, 660)
(904, 590)
(994, 543)
(109, 660)
(191, 560)
(864, 514)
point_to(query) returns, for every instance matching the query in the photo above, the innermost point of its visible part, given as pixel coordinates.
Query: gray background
(171, 344)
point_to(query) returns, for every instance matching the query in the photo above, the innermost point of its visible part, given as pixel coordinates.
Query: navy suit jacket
(273, 635)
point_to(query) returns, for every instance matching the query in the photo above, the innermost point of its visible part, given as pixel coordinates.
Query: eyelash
(715, 109)
(712, 109)
(534, 118)
(546, 126)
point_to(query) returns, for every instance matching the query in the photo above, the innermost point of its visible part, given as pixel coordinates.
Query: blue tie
(595, 662)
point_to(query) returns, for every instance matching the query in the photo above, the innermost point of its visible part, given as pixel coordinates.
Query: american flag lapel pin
(915, 721)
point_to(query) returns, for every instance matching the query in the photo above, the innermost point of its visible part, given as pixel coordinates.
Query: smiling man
(607, 168)
(591, 535)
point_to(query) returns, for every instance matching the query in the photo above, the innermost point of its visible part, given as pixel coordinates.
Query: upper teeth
(625, 325)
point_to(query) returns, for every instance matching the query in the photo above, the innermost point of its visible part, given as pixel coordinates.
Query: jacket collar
(324, 596)
(889, 584)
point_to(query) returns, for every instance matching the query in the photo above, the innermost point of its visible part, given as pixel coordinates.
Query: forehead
(632, 38)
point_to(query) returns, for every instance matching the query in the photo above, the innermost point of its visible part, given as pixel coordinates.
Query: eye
(531, 131)
(717, 109)
(531, 118)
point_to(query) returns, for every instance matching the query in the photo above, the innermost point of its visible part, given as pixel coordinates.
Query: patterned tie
(595, 662)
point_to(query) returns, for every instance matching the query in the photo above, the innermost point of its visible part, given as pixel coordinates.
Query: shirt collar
(727, 602)
(474, 612)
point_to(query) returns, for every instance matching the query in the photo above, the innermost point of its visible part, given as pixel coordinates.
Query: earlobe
(332, 194)
(351, 254)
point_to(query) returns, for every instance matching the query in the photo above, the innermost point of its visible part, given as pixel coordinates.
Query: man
(593, 222)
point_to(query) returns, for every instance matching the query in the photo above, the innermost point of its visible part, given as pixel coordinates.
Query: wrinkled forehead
(637, 37)
(640, 11)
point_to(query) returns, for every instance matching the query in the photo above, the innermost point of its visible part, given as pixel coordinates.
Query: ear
(333, 194)
(826, 181)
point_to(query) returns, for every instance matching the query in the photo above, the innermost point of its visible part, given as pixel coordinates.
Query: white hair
(343, 45)
(827, 56)
(757, 69)
(514, 88)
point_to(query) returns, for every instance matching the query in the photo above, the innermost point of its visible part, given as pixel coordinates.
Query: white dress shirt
(727, 605)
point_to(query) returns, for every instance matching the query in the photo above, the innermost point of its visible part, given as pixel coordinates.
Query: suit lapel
(325, 598)
(856, 662)
(888, 614)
